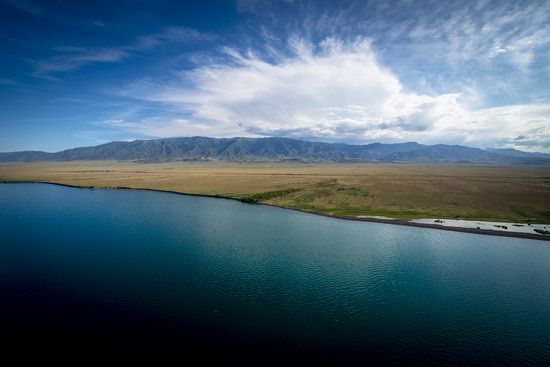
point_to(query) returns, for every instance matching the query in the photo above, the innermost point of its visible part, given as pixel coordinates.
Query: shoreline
(397, 221)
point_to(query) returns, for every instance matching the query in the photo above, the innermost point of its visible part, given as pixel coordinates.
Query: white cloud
(334, 91)
(469, 32)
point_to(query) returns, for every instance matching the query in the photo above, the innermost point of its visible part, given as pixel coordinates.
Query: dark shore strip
(401, 222)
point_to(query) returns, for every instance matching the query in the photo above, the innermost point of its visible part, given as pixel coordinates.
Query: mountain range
(276, 150)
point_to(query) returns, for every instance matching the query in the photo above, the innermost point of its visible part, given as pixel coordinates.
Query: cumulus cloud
(433, 46)
(333, 84)
(331, 91)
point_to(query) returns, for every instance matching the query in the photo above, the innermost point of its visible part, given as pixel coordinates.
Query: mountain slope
(443, 153)
(271, 149)
(518, 153)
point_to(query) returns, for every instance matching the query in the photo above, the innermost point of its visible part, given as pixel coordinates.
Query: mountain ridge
(518, 153)
(276, 149)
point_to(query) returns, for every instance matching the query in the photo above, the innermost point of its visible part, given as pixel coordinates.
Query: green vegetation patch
(355, 191)
(542, 231)
(263, 196)
(328, 183)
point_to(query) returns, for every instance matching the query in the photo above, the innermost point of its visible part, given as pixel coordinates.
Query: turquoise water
(138, 267)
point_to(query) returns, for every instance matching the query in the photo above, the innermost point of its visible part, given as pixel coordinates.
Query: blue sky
(457, 72)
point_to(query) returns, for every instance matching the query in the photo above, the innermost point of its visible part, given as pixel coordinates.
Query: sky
(475, 73)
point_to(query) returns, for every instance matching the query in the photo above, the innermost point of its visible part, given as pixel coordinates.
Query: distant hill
(518, 153)
(276, 150)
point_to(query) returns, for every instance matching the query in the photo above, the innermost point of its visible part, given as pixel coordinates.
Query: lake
(115, 267)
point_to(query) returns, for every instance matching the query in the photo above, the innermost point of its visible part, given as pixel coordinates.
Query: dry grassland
(502, 193)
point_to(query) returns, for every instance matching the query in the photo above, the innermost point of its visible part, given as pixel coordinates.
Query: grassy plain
(499, 193)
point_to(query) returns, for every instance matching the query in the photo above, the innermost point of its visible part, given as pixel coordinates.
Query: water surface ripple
(137, 267)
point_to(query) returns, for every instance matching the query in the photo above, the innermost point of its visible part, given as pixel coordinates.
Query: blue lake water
(150, 268)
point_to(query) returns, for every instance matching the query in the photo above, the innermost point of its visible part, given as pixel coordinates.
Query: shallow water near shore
(138, 267)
